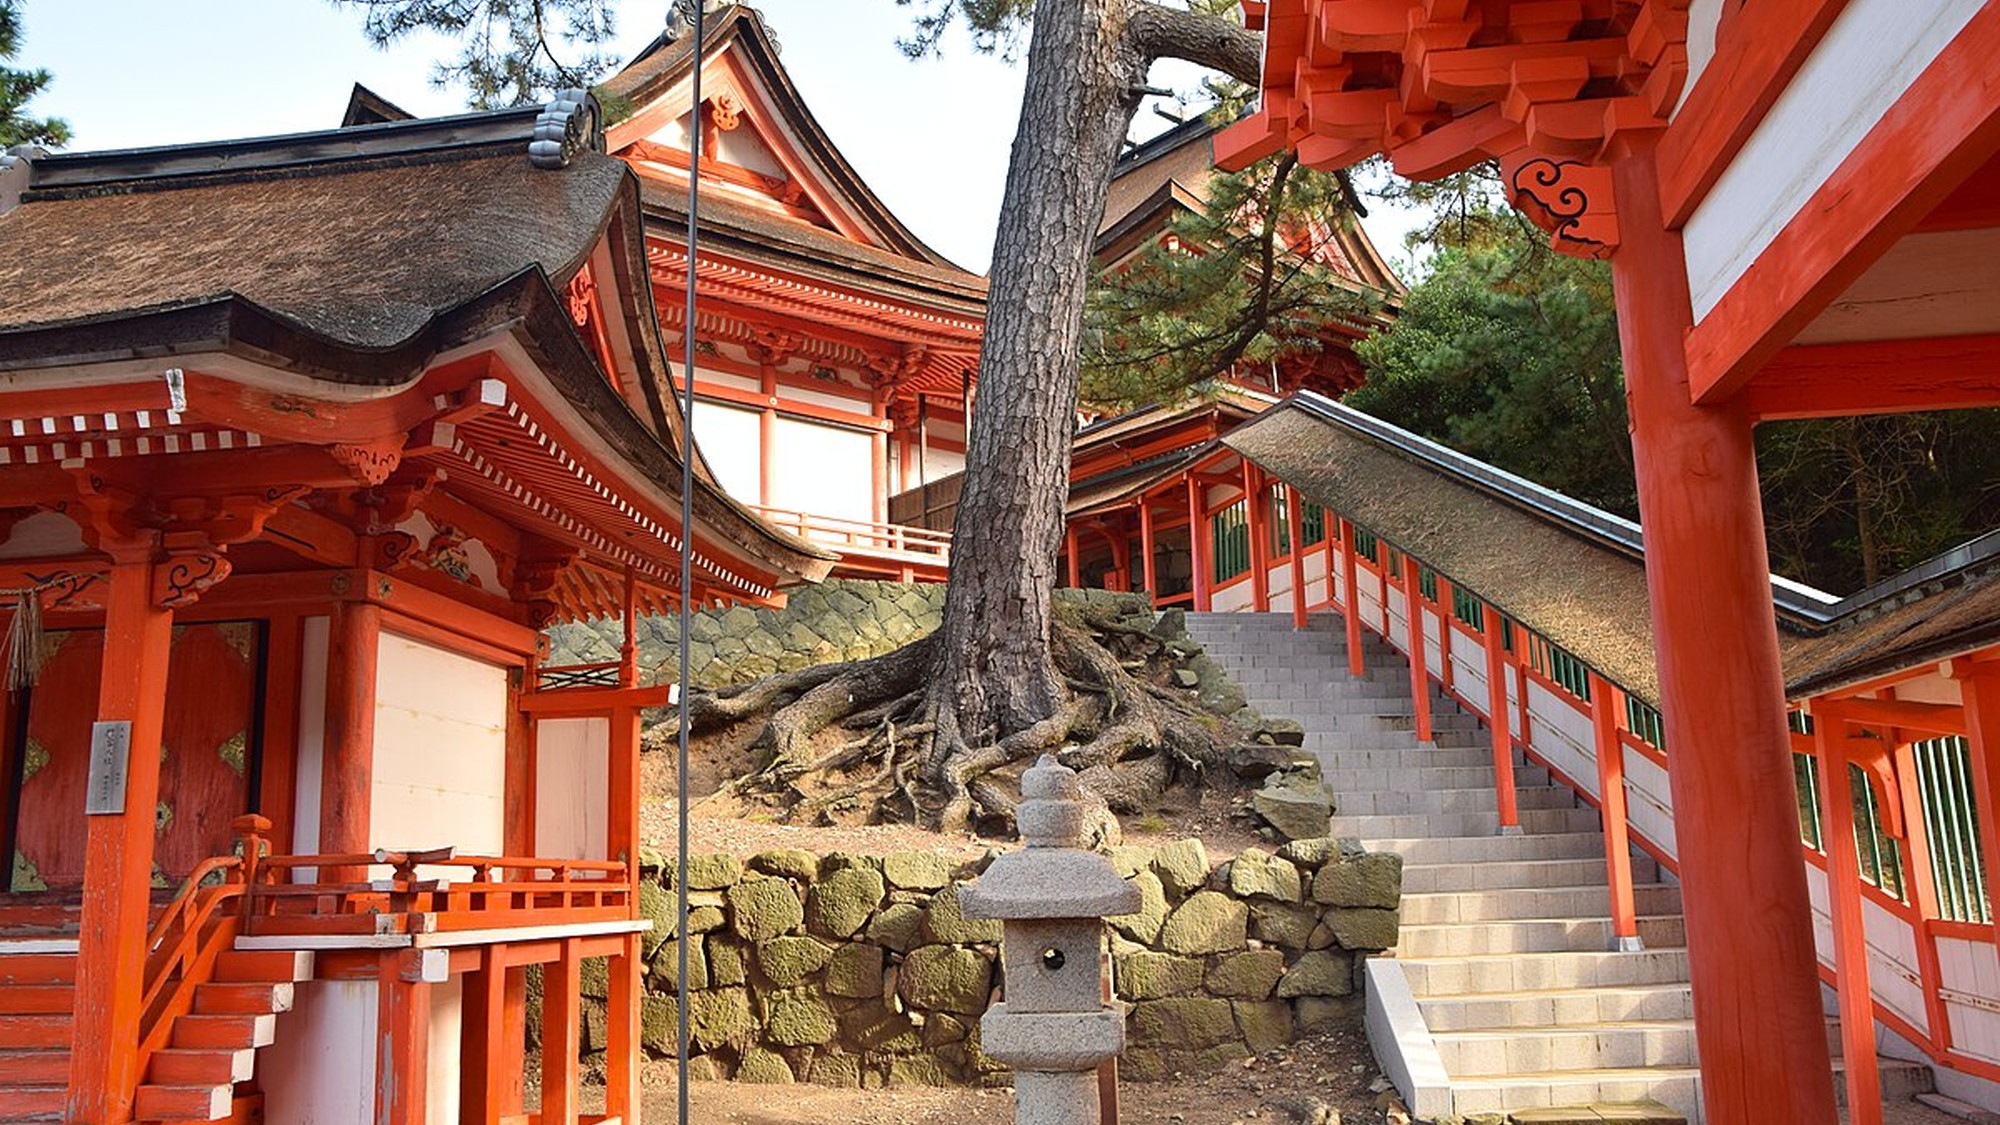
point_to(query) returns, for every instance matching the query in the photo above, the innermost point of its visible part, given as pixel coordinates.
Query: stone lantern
(1052, 897)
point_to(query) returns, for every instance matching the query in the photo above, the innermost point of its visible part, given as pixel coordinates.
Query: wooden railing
(494, 892)
(865, 535)
(198, 925)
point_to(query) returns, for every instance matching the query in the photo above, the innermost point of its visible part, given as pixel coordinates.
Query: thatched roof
(1576, 574)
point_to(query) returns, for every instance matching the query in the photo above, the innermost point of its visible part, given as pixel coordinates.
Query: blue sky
(930, 136)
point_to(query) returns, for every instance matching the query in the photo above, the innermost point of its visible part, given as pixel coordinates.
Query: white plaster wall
(320, 1070)
(572, 788)
(824, 470)
(1469, 672)
(440, 750)
(855, 402)
(728, 437)
(1278, 587)
(1971, 971)
(1433, 627)
(1562, 736)
(1892, 964)
(312, 740)
(1235, 599)
(1649, 801)
(1703, 16)
(1867, 59)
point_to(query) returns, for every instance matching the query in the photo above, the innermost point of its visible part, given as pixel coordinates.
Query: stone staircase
(209, 1051)
(1505, 939)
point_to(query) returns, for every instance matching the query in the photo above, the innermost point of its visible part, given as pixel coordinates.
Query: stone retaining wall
(839, 619)
(853, 970)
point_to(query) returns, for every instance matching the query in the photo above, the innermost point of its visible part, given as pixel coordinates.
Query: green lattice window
(1951, 830)
(1644, 720)
(1468, 608)
(1559, 665)
(1805, 778)
(1881, 856)
(1366, 545)
(1427, 582)
(1229, 536)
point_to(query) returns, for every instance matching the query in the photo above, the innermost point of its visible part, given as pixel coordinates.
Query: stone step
(1324, 737)
(1457, 907)
(1559, 1007)
(1484, 799)
(1677, 1087)
(1463, 824)
(1508, 874)
(1530, 972)
(1534, 935)
(1412, 755)
(1480, 849)
(1342, 780)
(1581, 1047)
(1902, 1080)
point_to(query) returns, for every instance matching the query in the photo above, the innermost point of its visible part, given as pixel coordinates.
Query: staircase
(1505, 939)
(193, 1078)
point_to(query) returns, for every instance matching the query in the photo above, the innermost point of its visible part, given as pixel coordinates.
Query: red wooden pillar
(1257, 508)
(878, 460)
(1758, 1024)
(1073, 565)
(1350, 582)
(1850, 935)
(1420, 673)
(1198, 543)
(1497, 720)
(118, 846)
(1149, 578)
(1980, 690)
(1294, 528)
(626, 978)
(562, 1035)
(1604, 700)
(354, 641)
(484, 1049)
(402, 1037)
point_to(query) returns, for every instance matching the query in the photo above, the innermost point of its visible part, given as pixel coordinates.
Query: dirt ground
(1282, 1088)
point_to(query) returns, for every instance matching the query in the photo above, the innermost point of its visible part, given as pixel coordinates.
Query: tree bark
(1086, 61)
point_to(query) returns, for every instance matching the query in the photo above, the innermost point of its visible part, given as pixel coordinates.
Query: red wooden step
(263, 966)
(26, 998)
(40, 1030)
(256, 998)
(38, 968)
(182, 1103)
(229, 1032)
(50, 1067)
(26, 1102)
(192, 1066)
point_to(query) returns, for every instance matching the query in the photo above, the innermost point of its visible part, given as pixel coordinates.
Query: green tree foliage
(18, 87)
(1508, 352)
(1241, 282)
(511, 52)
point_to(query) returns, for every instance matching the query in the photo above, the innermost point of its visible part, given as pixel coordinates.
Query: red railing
(201, 922)
(866, 535)
(496, 892)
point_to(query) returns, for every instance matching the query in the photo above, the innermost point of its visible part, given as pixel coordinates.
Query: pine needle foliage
(1233, 286)
(511, 52)
(19, 87)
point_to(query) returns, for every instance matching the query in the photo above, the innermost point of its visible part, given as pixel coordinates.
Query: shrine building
(303, 440)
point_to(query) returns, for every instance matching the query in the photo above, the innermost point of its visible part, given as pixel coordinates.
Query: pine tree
(19, 87)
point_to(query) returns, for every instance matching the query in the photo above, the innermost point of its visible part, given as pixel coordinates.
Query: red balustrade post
(1420, 673)
(1979, 687)
(1294, 527)
(1850, 934)
(1256, 511)
(1612, 810)
(1350, 582)
(1149, 578)
(1198, 543)
(1497, 720)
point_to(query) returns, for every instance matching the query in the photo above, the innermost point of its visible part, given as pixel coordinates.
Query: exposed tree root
(1122, 725)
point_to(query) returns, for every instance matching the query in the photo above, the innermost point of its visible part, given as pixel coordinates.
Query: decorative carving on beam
(391, 550)
(371, 463)
(724, 111)
(773, 346)
(1569, 199)
(180, 581)
(1440, 86)
(892, 368)
(581, 298)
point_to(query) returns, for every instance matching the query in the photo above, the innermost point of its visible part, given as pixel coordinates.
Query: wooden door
(208, 754)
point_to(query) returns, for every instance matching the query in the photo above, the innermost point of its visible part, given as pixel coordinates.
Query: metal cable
(699, 32)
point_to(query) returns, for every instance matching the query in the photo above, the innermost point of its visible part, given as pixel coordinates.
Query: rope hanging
(24, 633)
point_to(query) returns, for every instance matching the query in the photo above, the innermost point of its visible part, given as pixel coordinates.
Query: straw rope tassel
(24, 639)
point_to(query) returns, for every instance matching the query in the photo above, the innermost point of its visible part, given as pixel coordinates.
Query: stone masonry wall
(852, 970)
(839, 619)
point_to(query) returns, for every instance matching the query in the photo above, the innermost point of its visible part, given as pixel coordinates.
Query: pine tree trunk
(996, 672)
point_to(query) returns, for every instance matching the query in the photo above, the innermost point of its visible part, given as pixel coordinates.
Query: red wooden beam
(1149, 576)
(1765, 45)
(402, 1039)
(1257, 515)
(626, 986)
(347, 768)
(562, 1035)
(1293, 529)
(1351, 612)
(1980, 689)
(1877, 377)
(1198, 544)
(1942, 130)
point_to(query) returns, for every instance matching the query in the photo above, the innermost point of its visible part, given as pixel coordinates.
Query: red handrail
(197, 926)
(860, 533)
